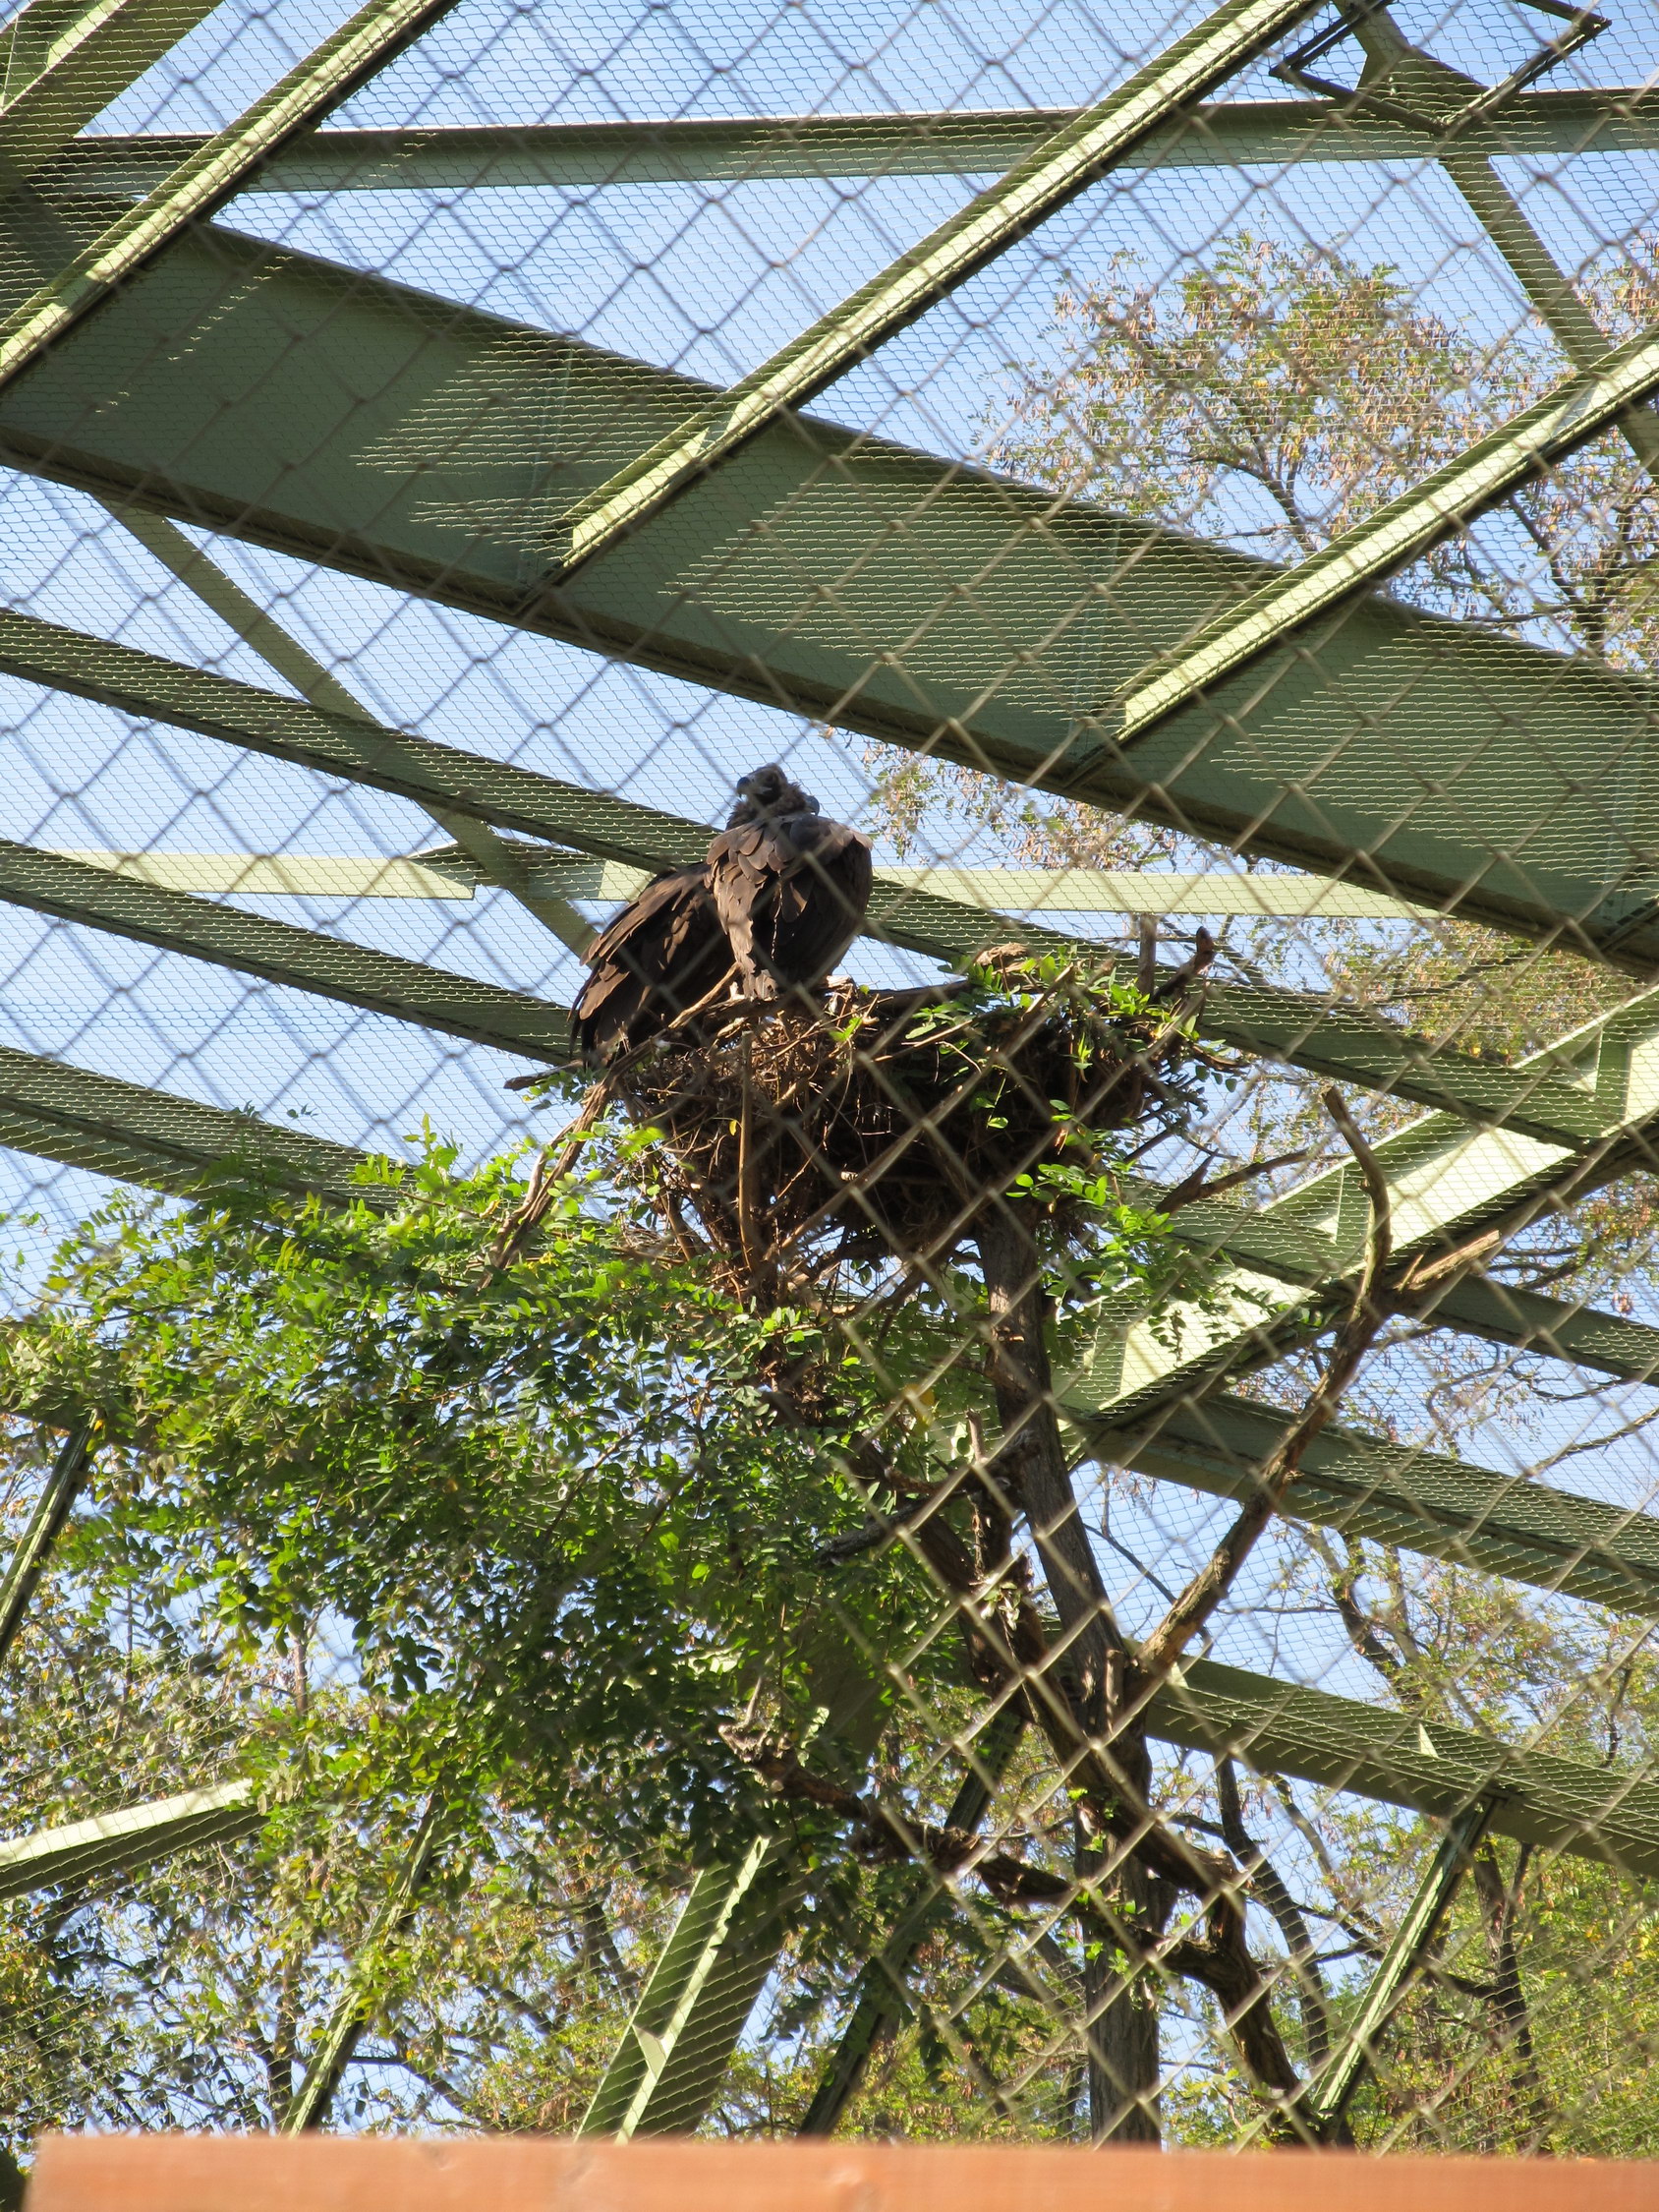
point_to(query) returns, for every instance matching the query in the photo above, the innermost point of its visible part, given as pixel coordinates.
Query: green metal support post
(62, 1487)
(355, 2006)
(1325, 2102)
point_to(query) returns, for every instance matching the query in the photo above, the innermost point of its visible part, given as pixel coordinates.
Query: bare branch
(1163, 1649)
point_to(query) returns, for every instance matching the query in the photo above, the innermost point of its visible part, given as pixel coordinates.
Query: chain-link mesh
(828, 888)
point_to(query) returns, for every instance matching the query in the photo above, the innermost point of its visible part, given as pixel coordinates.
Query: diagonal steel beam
(302, 958)
(355, 2006)
(493, 859)
(1457, 1194)
(831, 575)
(1405, 76)
(1327, 2095)
(164, 1143)
(1579, 408)
(1079, 152)
(63, 61)
(1423, 1501)
(121, 1842)
(1539, 1797)
(1230, 134)
(209, 177)
(58, 1493)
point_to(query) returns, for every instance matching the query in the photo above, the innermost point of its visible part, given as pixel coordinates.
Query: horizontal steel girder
(211, 175)
(1424, 1502)
(121, 1842)
(63, 61)
(1082, 150)
(1222, 134)
(1595, 1812)
(167, 1144)
(1301, 1030)
(303, 959)
(450, 873)
(431, 449)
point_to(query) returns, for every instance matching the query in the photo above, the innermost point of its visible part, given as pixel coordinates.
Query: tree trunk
(1121, 2031)
(1030, 1464)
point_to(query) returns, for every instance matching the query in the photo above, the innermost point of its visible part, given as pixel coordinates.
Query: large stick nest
(882, 1122)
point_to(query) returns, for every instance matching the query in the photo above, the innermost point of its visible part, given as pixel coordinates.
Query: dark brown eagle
(780, 897)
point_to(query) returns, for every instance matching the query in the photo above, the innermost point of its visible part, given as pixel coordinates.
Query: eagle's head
(766, 794)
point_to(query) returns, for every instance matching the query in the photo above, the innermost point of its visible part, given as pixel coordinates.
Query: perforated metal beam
(302, 958)
(1228, 134)
(853, 582)
(1594, 1811)
(1423, 1501)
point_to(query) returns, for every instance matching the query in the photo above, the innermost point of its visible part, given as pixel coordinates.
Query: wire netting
(1007, 1488)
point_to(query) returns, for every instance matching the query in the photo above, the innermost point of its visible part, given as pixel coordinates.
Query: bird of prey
(780, 897)
(658, 959)
(791, 886)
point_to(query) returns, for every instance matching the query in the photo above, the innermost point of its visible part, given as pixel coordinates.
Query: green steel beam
(302, 958)
(830, 575)
(355, 2006)
(1327, 2096)
(679, 2040)
(1230, 134)
(212, 174)
(1079, 152)
(1404, 76)
(1577, 409)
(58, 1493)
(1304, 1030)
(63, 61)
(1539, 1797)
(120, 1842)
(1423, 1501)
(496, 861)
(1454, 1191)
(1476, 1304)
(164, 1143)
(674, 2052)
